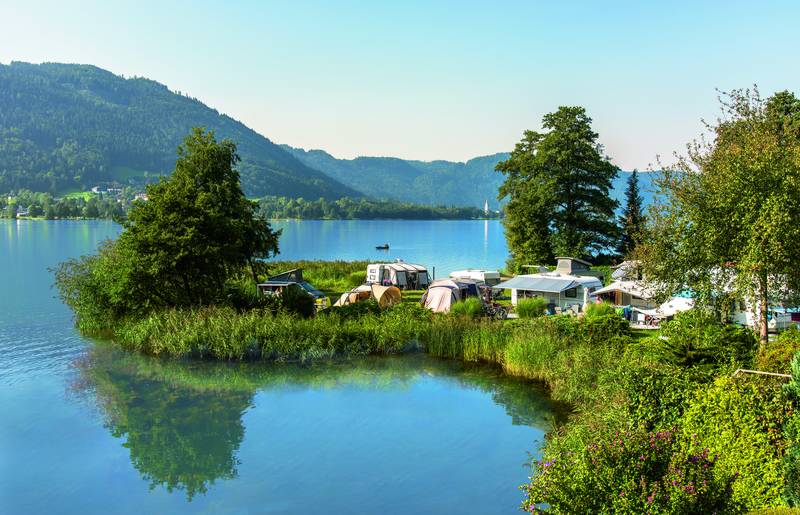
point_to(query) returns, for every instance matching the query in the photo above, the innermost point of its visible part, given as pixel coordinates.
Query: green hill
(69, 127)
(433, 182)
(420, 182)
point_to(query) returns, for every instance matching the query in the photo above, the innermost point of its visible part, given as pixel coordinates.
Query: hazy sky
(430, 80)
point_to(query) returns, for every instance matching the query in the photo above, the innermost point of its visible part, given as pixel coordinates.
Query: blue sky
(430, 80)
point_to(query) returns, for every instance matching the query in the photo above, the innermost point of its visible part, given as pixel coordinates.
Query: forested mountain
(433, 182)
(420, 182)
(65, 126)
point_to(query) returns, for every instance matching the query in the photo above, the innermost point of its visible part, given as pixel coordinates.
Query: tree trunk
(763, 307)
(186, 288)
(253, 270)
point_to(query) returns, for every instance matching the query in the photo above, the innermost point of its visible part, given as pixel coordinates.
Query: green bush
(791, 462)
(696, 338)
(791, 430)
(628, 472)
(297, 301)
(657, 395)
(605, 329)
(531, 308)
(471, 307)
(355, 310)
(777, 354)
(741, 421)
(599, 310)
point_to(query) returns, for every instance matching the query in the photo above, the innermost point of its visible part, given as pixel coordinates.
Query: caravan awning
(630, 287)
(545, 284)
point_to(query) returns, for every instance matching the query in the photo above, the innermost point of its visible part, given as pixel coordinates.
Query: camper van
(482, 277)
(406, 276)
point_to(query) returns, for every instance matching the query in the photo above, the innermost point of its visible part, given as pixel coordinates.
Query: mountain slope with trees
(421, 182)
(69, 127)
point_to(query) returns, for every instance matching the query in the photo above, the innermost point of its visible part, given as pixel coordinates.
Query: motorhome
(569, 287)
(483, 277)
(406, 276)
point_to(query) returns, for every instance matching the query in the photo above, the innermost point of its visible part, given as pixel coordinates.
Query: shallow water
(87, 428)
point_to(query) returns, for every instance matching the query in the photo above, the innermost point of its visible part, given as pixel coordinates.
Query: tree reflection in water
(182, 420)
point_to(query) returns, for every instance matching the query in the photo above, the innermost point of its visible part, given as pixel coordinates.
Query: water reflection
(183, 421)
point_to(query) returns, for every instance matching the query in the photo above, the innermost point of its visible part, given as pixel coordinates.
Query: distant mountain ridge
(440, 182)
(68, 126)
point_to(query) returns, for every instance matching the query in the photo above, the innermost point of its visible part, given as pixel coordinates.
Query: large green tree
(632, 219)
(197, 227)
(728, 226)
(178, 248)
(557, 185)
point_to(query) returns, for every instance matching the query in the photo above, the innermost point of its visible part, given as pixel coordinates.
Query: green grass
(85, 195)
(471, 307)
(531, 308)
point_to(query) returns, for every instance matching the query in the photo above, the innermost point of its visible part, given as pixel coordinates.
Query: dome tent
(385, 296)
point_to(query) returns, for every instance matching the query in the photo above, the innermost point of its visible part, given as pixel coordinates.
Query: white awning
(634, 288)
(545, 284)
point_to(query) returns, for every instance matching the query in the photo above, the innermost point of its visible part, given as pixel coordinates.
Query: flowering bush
(631, 472)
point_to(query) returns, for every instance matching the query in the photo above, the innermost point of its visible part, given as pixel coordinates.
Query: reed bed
(224, 333)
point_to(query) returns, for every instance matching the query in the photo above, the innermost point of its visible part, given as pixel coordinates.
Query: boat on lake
(385, 246)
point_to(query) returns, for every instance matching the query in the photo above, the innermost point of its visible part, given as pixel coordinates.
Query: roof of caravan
(550, 283)
(574, 259)
(451, 283)
(402, 265)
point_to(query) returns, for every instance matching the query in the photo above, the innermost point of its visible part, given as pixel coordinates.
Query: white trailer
(487, 277)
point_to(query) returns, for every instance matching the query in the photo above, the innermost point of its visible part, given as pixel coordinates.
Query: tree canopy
(728, 226)
(632, 219)
(557, 184)
(181, 246)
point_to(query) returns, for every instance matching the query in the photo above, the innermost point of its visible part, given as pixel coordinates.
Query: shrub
(630, 472)
(599, 310)
(696, 338)
(741, 421)
(531, 308)
(355, 310)
(471, 307)
(296, 300)
(604, 329)
(791, 430)
(777, 354)
(791, 462)
(657, 396)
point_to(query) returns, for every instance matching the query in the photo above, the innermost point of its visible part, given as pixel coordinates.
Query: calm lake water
(87, 428)
(445, 244)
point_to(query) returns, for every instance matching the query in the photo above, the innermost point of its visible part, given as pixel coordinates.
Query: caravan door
(400, 278)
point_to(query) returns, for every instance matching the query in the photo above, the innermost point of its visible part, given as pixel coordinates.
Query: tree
(196, 231)
(728, 226)
(557, 186)
(632, 219)
(197, 227)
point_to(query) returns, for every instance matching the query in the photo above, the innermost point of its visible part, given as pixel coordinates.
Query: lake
(445, 245)
(88, 428)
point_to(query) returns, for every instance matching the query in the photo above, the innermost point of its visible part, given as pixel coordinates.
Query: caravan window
(571, 293)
